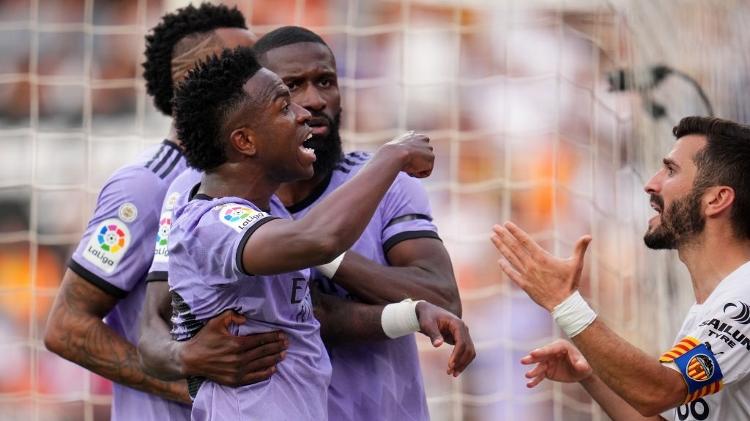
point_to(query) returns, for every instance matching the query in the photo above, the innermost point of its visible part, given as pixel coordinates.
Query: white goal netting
(517, 96)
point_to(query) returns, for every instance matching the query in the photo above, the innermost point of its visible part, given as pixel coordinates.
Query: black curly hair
(160, 43)
(203, 101)
(286, 35)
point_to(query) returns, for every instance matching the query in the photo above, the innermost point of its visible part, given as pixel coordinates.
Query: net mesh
(515, 97)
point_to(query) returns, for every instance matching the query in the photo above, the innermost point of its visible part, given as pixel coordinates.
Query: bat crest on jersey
(239, 217)
(107, 244)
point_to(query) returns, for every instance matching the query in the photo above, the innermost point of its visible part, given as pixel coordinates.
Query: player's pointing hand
(548, 280)
(440, 326)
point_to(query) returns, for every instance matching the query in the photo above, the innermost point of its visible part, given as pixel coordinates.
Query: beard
(680, 223)
(327, 149)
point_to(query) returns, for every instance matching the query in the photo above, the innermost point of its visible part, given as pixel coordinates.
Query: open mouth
(308, 153)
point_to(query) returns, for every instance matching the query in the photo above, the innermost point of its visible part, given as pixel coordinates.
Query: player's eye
(292, 85)
(325, 83)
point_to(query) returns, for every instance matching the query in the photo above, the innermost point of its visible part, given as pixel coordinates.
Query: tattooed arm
(76, 332)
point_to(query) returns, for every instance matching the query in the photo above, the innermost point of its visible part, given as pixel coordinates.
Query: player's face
(280, 129)
(679, 215)
(309, 71)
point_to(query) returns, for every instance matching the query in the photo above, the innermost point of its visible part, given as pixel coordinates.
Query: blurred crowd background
(518, 97)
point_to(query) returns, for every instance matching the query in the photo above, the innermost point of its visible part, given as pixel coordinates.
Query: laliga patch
(239, 217)
(171, 201)
(161, 250)
(108, 244)
(127, 212)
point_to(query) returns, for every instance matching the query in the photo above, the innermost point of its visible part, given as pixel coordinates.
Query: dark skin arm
(421, 270)
(213, 352)
(345, 321)
(76, 332)
(336, 223)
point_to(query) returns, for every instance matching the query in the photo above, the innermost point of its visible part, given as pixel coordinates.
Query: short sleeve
(117, 247)
(406, 213)
(715, 352)
(240, 222)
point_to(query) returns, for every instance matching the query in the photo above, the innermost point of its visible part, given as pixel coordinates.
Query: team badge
(161, 250)
(108, 244)
(127, 212)
(742, 310)
(239, 217)
(171, 201)
(700, 368)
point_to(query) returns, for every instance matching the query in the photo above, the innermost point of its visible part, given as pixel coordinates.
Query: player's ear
(718, 199)
(243, 141)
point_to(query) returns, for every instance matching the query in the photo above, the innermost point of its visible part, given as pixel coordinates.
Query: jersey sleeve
(406, 213)
(117, 246)
(235, 224)
(715, 353)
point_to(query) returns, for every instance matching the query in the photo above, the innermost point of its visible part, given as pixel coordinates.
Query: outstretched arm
(421, 269)
(213, 352)
(76, 332)
(346, 321)
(548, 280)
(334, 225)
(560, 361)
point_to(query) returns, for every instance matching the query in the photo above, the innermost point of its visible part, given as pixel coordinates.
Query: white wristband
(329, 269)
(399, 319)
(573, 315)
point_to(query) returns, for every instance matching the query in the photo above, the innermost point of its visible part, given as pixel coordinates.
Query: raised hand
(558, 361)
(231, 360)
(548, 280)
(420, 155)
(441, 326)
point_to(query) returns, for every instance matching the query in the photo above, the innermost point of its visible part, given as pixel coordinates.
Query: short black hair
(203, 101)
(725, 161)
(160, 43)
(286, 35)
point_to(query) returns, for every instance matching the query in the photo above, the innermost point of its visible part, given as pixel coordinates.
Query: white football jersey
(713, 353)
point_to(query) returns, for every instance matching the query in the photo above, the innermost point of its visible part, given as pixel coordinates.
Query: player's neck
(239, 180)
(172, 136)
(297, 191)
(712, 258)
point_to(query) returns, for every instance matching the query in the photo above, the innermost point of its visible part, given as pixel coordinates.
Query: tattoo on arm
(76, 332)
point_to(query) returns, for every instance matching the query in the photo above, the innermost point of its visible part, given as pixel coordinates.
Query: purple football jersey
(176, 196)
(115, 253)
(378, 380)
(206, 277)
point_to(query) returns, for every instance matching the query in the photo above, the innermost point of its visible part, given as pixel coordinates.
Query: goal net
(543, 112)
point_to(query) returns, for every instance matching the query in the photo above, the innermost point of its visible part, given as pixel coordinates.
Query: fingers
(505, 251)
(463, 351)
(256, 377)
(524, 239)
(275, 348)
(581, 246)
(512, 273)
(223, 321)
(512, 248)
(257, 340)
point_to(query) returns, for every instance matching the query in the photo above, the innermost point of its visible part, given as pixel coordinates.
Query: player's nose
(300, 113)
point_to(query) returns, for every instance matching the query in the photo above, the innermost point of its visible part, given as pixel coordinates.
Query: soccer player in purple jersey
(399, 254)
(106, 273)
(238, 125)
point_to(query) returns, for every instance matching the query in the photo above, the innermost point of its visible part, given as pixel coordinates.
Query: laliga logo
(163, 233)
(111, 238)
(743, 316)
(235, 213)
